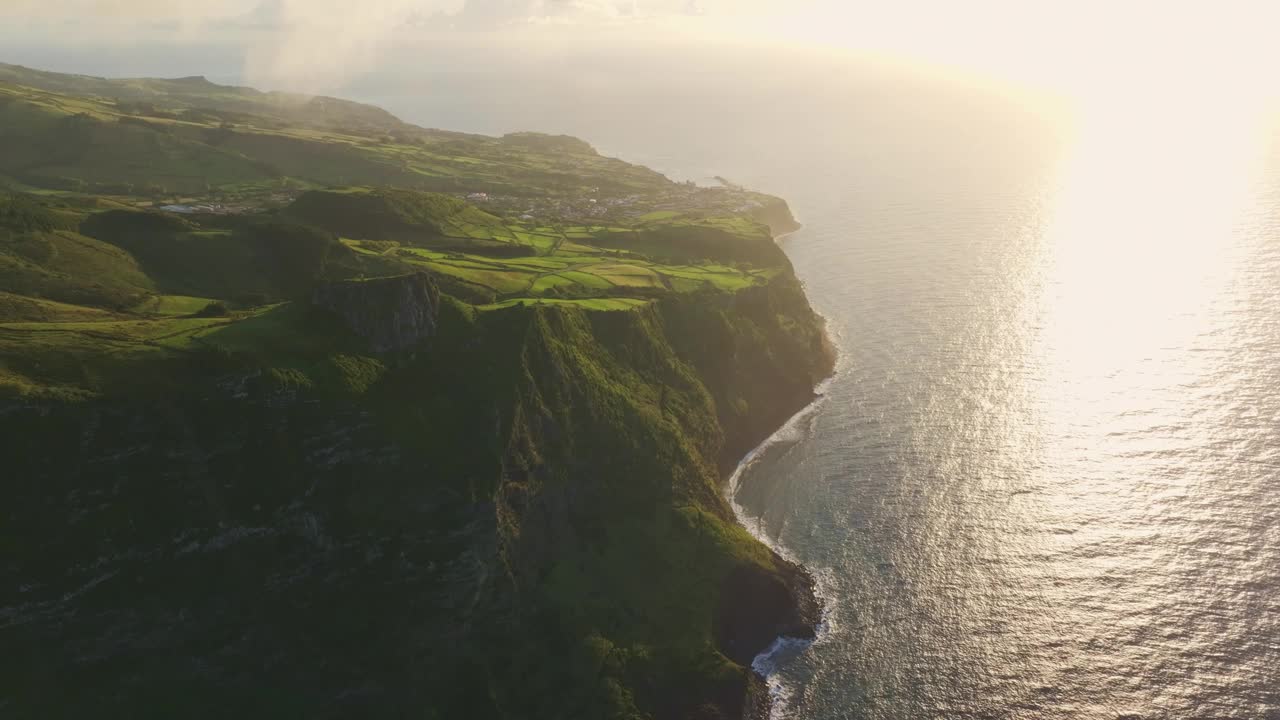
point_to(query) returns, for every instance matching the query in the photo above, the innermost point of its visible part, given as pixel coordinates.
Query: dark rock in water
(757, 607)
(391, 313)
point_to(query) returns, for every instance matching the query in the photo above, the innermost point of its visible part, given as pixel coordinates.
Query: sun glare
(1092, 52)
(1144, 207)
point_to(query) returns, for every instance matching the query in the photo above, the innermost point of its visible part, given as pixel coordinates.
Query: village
(592, 207)
(685, 198)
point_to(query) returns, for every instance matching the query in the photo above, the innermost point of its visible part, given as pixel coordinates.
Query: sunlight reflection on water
(1045, 485)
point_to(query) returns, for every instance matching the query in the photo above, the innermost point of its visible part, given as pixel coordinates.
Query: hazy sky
(1086, 46)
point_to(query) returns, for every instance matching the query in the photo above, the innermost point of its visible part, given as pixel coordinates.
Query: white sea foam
(767, 664)
(794, 430)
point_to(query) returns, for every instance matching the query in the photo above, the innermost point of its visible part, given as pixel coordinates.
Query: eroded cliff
(392, 313)
(516, 514)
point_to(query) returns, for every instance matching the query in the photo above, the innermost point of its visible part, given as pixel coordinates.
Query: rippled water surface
(1045, 482)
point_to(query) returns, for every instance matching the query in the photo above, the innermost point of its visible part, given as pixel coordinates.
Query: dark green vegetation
(375, 451)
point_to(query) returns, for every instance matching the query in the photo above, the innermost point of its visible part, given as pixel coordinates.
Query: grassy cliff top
(93, 297)
(145, 217)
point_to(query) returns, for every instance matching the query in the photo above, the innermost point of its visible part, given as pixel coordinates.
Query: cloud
(261, 12)
(120, 11)
(317, 45)
(311, 45)
(314, 45)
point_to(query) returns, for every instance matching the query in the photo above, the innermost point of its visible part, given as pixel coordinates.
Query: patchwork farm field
(96, 295)
(600, 304)
(568, 269)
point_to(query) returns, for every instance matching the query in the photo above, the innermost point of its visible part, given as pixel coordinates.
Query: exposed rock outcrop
(391, 313)
(776, 213)
(758, 607)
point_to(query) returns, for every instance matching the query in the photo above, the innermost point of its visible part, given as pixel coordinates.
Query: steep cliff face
(760, 352)
(389, 313)
(522, 519)
(640, 555)
(776, 213)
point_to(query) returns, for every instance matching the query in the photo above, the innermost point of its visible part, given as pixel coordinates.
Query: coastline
(767, 697)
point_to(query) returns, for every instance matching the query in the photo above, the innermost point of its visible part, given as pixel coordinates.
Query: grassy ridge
(142, 274)
(153, 137)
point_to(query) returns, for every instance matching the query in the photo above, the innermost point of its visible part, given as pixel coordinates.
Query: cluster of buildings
(676, 198)
(244, 205)
(204, 209)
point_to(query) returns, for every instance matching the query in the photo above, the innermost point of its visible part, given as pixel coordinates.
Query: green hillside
(70, 258)
(315, 413)
(153, 138)
(157, 96)
(188, 140)
(387, 214)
